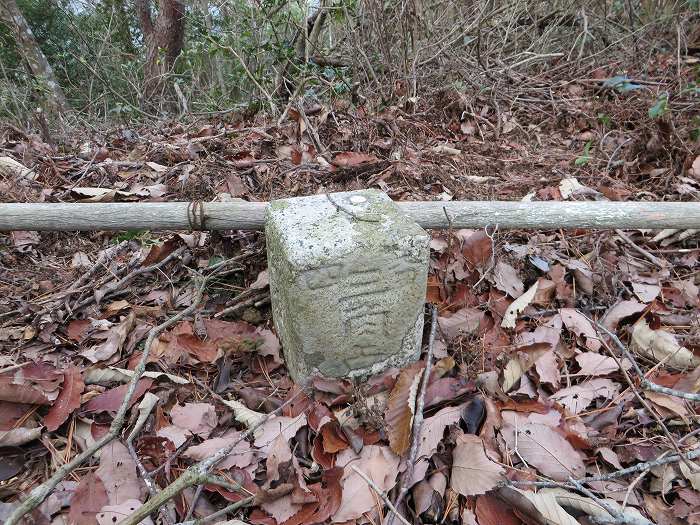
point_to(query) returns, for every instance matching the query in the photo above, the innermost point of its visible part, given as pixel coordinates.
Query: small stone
(348, 276)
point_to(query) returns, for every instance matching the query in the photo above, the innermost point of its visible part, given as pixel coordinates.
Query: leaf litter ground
(534, 377)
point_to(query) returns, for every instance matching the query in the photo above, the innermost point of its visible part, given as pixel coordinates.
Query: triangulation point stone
(348, 277)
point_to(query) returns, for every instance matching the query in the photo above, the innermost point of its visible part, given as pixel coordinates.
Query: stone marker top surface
(310, 225)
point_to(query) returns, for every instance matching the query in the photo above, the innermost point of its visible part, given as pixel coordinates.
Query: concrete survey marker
(348, 276)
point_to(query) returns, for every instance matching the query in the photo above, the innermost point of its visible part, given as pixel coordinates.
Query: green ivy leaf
(585, 158)
(660, 108)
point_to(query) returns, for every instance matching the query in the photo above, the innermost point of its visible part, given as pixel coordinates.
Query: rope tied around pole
(195, 215)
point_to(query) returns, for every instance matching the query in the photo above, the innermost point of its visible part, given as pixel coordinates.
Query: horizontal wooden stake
(243, 215)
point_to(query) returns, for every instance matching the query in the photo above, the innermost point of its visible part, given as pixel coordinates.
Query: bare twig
(14, 367)
(654, 259)
(226, 510)
(111, 288)
(638, 467)
(635, 391)
(381, 494)
(418, 418)
(645, 383)
(40, 493)
(243, 300)
(617, 517)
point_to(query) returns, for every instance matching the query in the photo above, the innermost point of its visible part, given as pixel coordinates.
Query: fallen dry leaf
(400, 408)
(575, 322)
(352, 158)
(379, 464)
(115, 340)
(111, 400)
(36, 384)
(198, 418)
(661, 346)
(118, 474)
(578, 397)
(464, 321)
(620, 311)
(275, 426)
(87, 501)
(67, 401)
(545, 449)
(478, 249)
(593, 364)
(111, 514)
(242, 456)
(472, 471)
(507, 280)
(518, 306)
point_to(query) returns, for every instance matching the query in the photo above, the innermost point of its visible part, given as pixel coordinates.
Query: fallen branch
(114, 287)
(618, 517)
(418, 418)
(645, 383)
(242, 215)
(638, 467)
(653, 258)
(40, 493)
(230, 508)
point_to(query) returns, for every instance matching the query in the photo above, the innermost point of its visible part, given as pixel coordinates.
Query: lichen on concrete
(348, 276)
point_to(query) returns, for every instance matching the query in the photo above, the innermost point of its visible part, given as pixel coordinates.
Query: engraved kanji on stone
(347, 277)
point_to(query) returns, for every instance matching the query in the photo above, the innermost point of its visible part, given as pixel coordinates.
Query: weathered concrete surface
(348, 276)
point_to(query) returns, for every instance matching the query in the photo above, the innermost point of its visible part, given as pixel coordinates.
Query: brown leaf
(491, 511)
(160, 252)
(507, 280)
(35, 383)
(472, 471)
(68, 400)
(111, 400)
(115, 340)
(328, 494)
(242, 456)
(464, 321)
(111, 514)
(333, 438)
(89, 498)
(547, 450)
(577, 398)
(477, 249)
(203, 351)
(400, 408)
(575, 322)
(620, 311)
(447, 389)
(376, 462)
(352, 158)
(593, 364)
(118, 473)
(198, 418)
(276, 425)
(78, 329)
(433, 429)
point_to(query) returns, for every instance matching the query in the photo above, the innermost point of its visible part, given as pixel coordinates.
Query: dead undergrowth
(75, 311)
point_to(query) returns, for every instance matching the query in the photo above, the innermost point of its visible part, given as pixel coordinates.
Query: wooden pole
(243, 215)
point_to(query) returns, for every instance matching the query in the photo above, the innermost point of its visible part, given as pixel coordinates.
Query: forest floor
(556, 400)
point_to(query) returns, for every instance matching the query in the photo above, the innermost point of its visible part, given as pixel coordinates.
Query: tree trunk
(166, 33)
(34, 56)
